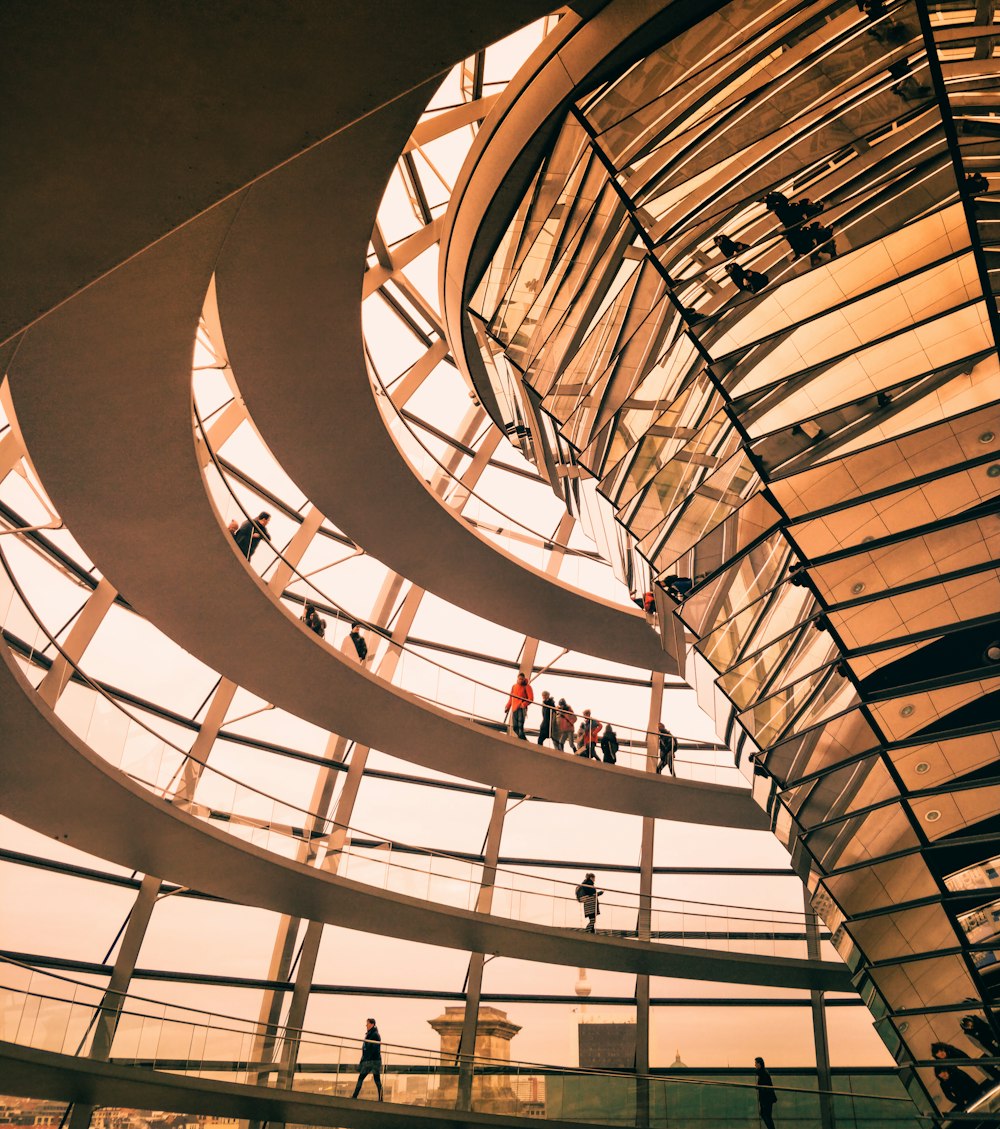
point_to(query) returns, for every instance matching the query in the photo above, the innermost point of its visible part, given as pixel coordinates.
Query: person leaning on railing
(248, 536)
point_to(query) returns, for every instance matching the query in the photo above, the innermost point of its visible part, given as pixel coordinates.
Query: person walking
(371, 1058)
(565, 720)
(589, 730)
(546, 727)
(766, 1097)
(667, 744)
(588, 895)
(360, 646)
(609, 745)
(313, 620)
(250, 533)
(521, 696)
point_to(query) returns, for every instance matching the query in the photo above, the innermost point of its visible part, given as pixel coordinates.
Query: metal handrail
(330, 826)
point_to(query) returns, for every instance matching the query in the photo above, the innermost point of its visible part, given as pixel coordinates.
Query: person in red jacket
(565, 724)
(589, 732)
(521, 696)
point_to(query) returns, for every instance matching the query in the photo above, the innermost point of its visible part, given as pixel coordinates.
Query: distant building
(606, 1046)
(494, 1032)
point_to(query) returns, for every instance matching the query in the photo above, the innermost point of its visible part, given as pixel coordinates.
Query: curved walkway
(289, 302)
(142, 513)
(84, 190)
(120, 821)
(30, 1073)
(104, 203)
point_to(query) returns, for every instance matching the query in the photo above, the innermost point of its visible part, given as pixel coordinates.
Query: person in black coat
(359, 642)
(371, 1058)
(766, 1097)
(957, 1086)
(748, 281)
(609, 745)
(730, 247)
(546, 727)
(588, 895)
(249, 534)
(667, 747)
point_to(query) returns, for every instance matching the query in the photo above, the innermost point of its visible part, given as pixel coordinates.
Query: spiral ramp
(98, 364)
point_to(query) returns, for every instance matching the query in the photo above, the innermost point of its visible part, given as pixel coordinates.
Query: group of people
(317, 625)
(558, 724)
(957, 1085)
(804, 238)
(677, 587)
(248, 536)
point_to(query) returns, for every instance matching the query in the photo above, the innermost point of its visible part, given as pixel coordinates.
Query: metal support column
(79, 639)
(474, 984)
(201, 749)
(121, 976)
(827, 1118)
(337, 749)
(644, 922)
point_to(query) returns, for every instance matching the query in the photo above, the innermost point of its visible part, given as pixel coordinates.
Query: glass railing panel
(183, 1041)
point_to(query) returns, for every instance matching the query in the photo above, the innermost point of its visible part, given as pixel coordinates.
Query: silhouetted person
(667, 745)
(777, 203)
(730, 247)
(371, 1058)
(822, 241)
(249, 534)
(589, 730)
(546, 727)
(909, 88)
(766, 1097)
(805, 209)
(957, 1086)
(748, 281)
(565, 722)
(976, 184)
(890, 32)
(800, 241)
(314, 621)
(609, 745)
(359, 642)
(521, 696)
(588, 895)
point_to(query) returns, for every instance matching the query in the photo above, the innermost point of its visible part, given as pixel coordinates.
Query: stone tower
(494, 1031)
